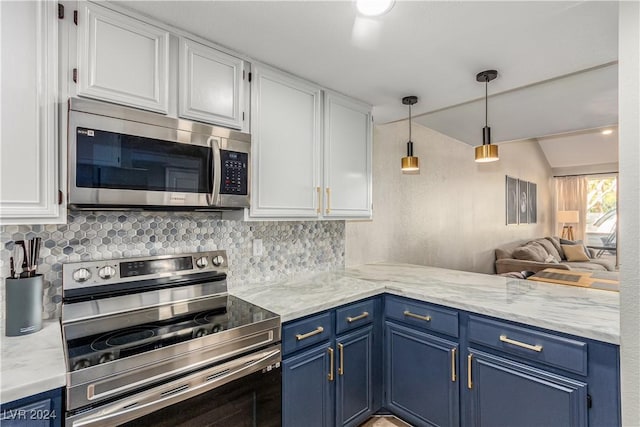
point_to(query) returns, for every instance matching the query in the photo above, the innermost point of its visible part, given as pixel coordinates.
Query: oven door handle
(176, 391)
(216, 172)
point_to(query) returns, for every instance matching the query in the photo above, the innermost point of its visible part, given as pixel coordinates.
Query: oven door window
(253, 400)
(119, 161)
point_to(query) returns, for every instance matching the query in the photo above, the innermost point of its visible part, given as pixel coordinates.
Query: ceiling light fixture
(607, 132)
(487, 152)
(410, 163)
(374, 7)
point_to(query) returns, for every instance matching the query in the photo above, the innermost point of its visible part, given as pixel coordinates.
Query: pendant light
(410, 162)
(487, 152)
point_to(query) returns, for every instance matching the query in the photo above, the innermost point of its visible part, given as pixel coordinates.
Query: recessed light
(607, 132)
(374, 7)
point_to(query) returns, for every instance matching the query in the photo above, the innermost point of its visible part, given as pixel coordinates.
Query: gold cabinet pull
(537, 348)
(364, 315)
(318, 330)
(328, 211)
(469, 361)
(330, 376)
(341, 366)
(453, 365)
(417, 316)
(319, 191)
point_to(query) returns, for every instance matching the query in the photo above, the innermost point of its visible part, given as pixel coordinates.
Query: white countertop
(31, 364)
(34, 363)
(588, 313)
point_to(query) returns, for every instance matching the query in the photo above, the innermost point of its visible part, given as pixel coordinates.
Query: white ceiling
(581, 148)
(432, 50)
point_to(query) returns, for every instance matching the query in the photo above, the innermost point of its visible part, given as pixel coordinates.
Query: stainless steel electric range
(159, 341)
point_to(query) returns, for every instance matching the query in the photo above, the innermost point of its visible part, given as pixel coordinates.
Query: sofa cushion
(550, 248)
(555, 241)
(532, 251)
(609, 265)
(502, 253)
(575, 242)
(575, 253)
(589, 266)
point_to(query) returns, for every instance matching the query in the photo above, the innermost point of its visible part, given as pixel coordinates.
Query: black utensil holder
(23, 305)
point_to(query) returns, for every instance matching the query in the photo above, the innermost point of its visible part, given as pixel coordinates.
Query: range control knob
(202, 262)
(218, 260)
(81, 275)
(106, 357)
(81, 364)
(107, 272)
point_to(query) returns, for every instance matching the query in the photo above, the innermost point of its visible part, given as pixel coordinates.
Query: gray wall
(452, 214)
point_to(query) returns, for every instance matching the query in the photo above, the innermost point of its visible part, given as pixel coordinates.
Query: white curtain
(571, 195)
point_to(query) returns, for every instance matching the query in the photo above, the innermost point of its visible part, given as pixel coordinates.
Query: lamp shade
(568, 217)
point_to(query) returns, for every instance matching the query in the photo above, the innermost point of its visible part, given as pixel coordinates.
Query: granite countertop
(35, 363)
(31, 364)
(588, 313)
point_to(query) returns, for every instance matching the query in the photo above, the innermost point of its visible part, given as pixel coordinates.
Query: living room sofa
(547, 252)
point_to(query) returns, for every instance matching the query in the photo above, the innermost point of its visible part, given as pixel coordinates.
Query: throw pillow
(531, 252)
(551, 260)
(575, 253)
(555, 241)
(550, 248)
(576, 242)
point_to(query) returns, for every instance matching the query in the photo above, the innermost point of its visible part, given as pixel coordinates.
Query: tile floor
(384, 421)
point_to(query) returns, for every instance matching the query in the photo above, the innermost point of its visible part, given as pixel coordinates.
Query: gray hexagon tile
(289, 248)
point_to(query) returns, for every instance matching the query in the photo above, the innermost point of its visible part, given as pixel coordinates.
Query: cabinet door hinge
(60, 11)
(589, 401)
(60, 197)
(75, 17)
(249, 77)
(75, 75)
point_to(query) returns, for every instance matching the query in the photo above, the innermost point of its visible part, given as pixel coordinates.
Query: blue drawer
(355, 315)
(422, 315)
(530, 344)
(299, 334)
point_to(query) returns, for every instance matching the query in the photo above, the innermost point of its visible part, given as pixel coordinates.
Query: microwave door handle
(216, 172)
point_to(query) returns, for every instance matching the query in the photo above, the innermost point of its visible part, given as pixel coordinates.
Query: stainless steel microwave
(122, 158)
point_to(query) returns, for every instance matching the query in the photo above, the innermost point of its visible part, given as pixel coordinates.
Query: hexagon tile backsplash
(289, 248)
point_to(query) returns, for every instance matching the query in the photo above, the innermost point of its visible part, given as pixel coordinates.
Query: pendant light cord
(486, 102)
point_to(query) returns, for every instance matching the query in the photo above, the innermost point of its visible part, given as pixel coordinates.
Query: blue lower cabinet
(422, 377)
(41, 410)
(307, 388)
(354, 380)
(506, 393)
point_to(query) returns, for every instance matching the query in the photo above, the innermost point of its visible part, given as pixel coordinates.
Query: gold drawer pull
(341, 366)
(453, 365)
(417, 316)
(328, 211)
(318, 330)
(469, 363)
(319, 191)
(362, 316)
(330, 376)
(537, 348)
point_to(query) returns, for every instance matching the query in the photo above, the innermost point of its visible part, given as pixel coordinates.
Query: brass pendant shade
(410, 163)
(487, 152)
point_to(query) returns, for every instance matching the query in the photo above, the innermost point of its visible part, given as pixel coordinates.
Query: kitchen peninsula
(586, 314)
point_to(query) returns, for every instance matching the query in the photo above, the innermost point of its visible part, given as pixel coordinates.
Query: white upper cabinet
(347, 157)
(211, 88)
(29, 182)
(285, 128)
(122, 59)
(298, 172)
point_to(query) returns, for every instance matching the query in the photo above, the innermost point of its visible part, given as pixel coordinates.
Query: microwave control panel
(235, 172)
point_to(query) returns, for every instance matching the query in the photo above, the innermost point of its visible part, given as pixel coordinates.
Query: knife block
(23, 305)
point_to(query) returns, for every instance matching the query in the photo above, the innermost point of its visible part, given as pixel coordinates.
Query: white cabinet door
(121, 59)
(29, 145)
(211, 85)
(285, 128)
(347, 157)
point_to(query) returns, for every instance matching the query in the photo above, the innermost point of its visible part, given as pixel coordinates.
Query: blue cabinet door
(422, 381)
(41, 410)
(307, 388)
(354, 381)
(506, 393)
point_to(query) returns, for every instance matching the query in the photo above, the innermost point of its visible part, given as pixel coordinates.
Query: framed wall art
(511, 200)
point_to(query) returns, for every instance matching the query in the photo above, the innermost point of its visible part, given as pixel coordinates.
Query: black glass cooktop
(221, 314)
